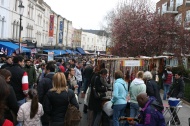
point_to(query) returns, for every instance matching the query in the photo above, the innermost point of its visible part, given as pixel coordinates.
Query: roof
(97, 32)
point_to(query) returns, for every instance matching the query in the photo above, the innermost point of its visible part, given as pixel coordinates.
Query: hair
(8, 57)
(33, 95)
(27, 60)
(4, 91)
(73, 60)
(59, 82)
(168, 68)
(50, 66)
(147, 75)
(5, 73)
(127, 76)
(17, 59)
(179, 73)
(140, 74)
(118, 74)
(59, 60)
(103, 71)
(67, 75)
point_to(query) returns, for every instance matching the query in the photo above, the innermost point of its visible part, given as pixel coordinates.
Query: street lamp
(21, 10)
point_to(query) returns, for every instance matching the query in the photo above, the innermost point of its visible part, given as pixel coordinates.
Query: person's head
(142, 99)
(103, 73)
(79, 64)
(43, 65)
(71, 71)
(6, 74)
(33, 95)
(67, 65)
(59, 82)
(178, 75)
(140, 74)
(168, 69)
(147, 75)
(67, 75)
(4, 91)
(9, 60)
(60, 61)
(19, 60)
(73, 61)
(118, 74)
(28, 62)
(50, 67)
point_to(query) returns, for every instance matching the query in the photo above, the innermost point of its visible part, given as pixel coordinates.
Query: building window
(164, 8)
(2, 2)
(178, 18)
(14, 26)
(2, 21)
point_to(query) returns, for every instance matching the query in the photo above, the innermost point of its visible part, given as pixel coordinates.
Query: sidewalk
(183, 114)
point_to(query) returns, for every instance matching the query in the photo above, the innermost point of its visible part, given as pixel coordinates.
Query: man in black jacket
(176, 91)
(44, 85)
(9, 62)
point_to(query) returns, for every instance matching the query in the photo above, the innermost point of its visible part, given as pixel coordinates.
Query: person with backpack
(151, 112)
(30, 112)
(167, 81)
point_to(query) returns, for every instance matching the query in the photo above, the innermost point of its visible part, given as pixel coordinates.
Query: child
(31, 111)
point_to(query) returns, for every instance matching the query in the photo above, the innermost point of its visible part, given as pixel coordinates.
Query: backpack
(73, 115)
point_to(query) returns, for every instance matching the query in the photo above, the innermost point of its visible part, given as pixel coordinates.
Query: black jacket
(152, 89)
(94, 103)
(87, 72)
(6, 65)
(177, 89)
(44, 85)
(16, 80)
(55, 105)
(11, 105)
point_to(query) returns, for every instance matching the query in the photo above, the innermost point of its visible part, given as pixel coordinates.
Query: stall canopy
(69, 51)
(80, 50)
(10, 47)
(76, 52)
(56, 52)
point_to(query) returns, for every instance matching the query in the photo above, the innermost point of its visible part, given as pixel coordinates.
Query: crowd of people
(36, 93)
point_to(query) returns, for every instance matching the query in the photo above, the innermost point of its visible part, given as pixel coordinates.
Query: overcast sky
(86, 14)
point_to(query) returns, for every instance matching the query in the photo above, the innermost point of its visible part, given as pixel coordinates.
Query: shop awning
(69, 51)
(80, 50)
(56, 52)
(11, 47)
(76, 52)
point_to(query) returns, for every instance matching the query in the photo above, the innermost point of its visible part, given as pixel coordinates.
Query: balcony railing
(187, 2)
(170, 10)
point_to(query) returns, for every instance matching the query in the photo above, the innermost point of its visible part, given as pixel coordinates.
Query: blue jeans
(134, 109)
(118, 111)
(166, 90)
(20, 102)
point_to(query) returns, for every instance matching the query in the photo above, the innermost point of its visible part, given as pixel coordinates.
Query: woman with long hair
(56, 100)
(30, 112)
(4, 91)
(11, 108)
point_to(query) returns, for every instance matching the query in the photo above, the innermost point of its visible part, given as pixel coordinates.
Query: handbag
(73, 115)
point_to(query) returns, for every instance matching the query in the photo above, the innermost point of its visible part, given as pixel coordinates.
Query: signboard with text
(132, 63)
(51, 26)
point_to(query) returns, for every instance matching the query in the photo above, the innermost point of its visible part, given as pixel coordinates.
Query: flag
(6, 51)
(2, 50)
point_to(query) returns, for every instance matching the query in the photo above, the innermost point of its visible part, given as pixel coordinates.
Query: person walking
(176, 91)
(30, 112)
(19, 79)
(168, 79)
(11, 108)
(152, 88)
(137, 86)
(31, 73)
(56, 100)
(120, 92)
(43, 87)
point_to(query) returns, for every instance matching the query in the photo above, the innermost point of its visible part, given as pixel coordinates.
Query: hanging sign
(132, 63)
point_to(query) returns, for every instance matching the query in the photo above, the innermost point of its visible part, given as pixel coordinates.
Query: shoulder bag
(73, 115)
